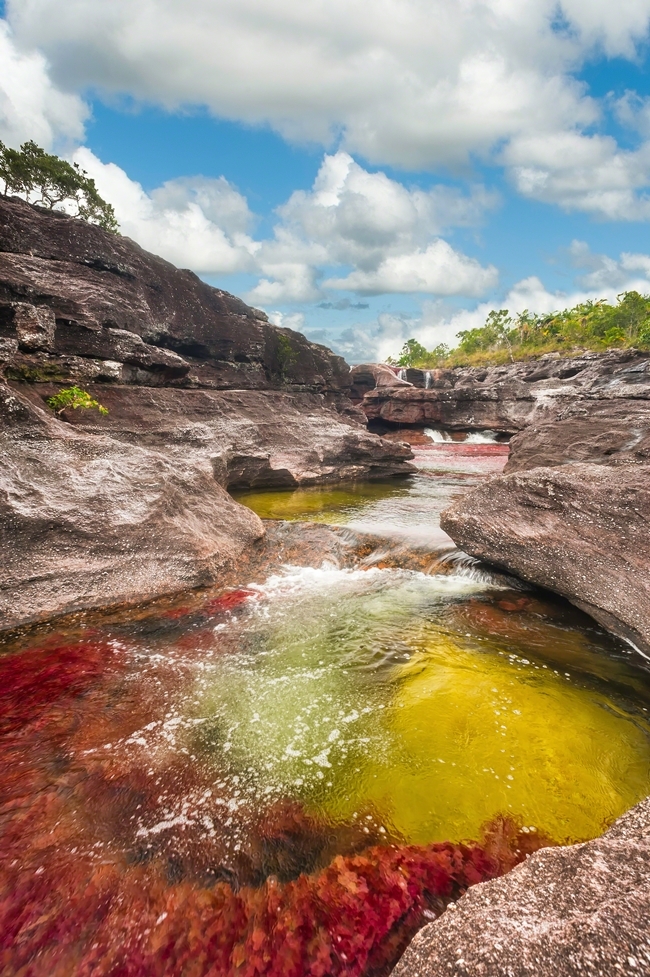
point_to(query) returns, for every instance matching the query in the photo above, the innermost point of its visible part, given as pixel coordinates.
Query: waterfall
(401, 374)
(428, 380)
(438, 436)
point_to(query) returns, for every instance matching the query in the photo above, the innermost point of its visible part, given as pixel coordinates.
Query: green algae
(363, 695)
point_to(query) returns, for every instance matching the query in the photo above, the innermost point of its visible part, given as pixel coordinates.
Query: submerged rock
(565, 911)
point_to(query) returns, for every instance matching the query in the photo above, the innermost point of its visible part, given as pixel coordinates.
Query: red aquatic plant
(351, 919)
(79, 899)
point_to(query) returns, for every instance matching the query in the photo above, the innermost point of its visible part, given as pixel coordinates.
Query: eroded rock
(580, 530)
(88, 521)
(563, 912)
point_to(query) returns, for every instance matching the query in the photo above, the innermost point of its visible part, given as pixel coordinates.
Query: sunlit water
(225, 739)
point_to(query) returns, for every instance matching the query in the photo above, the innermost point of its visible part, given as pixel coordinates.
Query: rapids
(287, 778)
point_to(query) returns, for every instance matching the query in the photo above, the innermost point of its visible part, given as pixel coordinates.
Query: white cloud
(605, 279)
(31, 107)
(385, 232)
(405, 82)
(193, 222)
(578, 172)
(293, 320)
(438, 270)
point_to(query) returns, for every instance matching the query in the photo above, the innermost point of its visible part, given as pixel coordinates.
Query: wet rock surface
(203, 393)
(565, 911)
(580, 530)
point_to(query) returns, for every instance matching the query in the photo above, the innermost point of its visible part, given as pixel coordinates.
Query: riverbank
(200, 393)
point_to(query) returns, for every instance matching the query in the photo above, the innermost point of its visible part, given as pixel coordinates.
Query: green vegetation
(287, 355)
(593, 325)
(74, 398)
(30, 171)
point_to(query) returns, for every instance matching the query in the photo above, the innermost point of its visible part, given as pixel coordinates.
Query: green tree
(412, 353)
(51, 182)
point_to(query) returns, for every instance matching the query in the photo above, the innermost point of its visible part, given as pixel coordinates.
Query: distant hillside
(504, 338)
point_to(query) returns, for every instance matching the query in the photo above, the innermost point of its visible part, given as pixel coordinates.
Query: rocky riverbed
(203, 395)
(571, 513)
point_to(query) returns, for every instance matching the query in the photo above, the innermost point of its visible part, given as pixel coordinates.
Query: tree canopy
(51, 182)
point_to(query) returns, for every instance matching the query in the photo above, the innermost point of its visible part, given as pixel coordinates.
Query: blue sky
(363, 170)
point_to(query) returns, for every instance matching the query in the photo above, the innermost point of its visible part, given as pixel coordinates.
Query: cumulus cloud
(579, 172)
(403, 82)
(437, 269)
(31, 107)
(383, 231)
(291, 320)
(195, 222)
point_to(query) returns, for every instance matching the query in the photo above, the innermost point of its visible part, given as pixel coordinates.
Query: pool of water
(291, 775)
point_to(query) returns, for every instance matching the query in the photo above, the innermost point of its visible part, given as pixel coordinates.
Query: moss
(44, 373)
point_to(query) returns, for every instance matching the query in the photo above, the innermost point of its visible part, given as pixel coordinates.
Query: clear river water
(169, 774)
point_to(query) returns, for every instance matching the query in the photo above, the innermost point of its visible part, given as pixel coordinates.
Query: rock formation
(564, 911)
(572, 511)
(511, 398)
(580, 530)
(202, 392)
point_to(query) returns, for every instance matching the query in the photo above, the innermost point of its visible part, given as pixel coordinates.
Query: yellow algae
(329, 504)
(474, 733)
(366, 692)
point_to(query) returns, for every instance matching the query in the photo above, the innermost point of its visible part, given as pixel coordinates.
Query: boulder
(580, 530)
(608, 431)
(89, 521)
(564, 911)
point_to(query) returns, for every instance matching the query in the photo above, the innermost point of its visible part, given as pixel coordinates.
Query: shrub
(504, 338)
(74, 398)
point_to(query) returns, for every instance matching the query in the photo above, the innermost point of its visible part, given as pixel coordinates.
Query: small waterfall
(401, 374)
(481, 437)
(428, 380)
(438, 436)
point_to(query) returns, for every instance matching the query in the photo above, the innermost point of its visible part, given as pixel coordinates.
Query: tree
(412, 352)
(30, 170)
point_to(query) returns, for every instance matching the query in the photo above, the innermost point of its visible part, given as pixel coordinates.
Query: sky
(364, 171)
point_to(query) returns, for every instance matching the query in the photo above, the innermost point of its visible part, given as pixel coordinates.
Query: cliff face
(202, 392)
(513, 398)
(77, 303)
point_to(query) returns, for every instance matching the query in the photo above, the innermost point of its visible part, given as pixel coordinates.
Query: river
(290, 776)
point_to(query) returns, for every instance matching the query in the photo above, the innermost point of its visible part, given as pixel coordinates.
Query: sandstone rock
(581, 530)
(245, 437)
(367, 376)
(108, 299)
(599, 431)
(88, 521)
(511, 398)
(467, 406)
(203, 393)
(563, 912)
